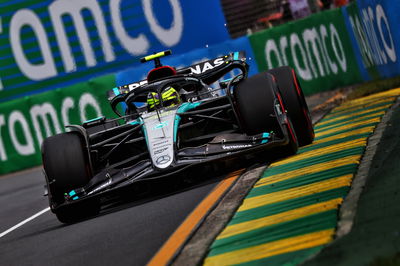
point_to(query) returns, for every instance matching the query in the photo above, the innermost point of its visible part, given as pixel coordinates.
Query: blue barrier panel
(373, 25)
(347, 11)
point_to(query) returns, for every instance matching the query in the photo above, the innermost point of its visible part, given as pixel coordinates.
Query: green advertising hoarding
(317, 47)
(27, 121)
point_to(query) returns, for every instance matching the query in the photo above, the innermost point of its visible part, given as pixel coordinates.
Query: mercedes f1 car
(170, 122)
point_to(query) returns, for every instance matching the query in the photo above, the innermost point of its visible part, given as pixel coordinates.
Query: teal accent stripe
(134, 123)
(176, 126)
(183, 108)
(265, 137)
(116, 91)
(226, 80)
(94, 119)
(236, 56)
(144, 130)
(187, 106)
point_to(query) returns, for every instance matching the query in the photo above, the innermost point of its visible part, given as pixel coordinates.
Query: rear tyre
(295, 103)
(66, 166)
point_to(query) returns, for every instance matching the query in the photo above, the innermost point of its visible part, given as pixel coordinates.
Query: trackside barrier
(335, 48)
(373, 26)
(318, 47)
(25, 122)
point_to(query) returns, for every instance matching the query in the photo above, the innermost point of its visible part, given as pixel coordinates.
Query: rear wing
(209, 71)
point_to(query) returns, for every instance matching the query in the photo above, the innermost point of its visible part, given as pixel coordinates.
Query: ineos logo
(163, 159)
(160, 150)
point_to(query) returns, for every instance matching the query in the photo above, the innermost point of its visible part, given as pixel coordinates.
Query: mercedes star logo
(163, 159)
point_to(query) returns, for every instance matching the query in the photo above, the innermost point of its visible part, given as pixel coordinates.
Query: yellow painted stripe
(352, 107)
(349, 115)
(363, 130)
(322, 151)
(179, 237)
(310, 169)
(244, 227)
(361, 103)
(272, 249)
(349, 126)
(371, 98)
(346, 119)
(297, 192)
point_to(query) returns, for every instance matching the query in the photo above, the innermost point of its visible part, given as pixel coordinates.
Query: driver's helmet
(170, 97)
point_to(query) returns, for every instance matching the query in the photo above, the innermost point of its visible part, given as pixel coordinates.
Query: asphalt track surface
(127, 233)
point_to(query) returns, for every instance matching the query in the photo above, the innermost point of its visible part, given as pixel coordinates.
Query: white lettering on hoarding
(270, 48)
(362, 41)
(42, 116)
(74, 8)
(309, 53)
(304, 72)
(377, 48)
(134, 45)
(338, 48)
(331, 65)
(389, 47)
(22, 149)
(43, 113)
(283, 43)
(369, 29)
(47, 69)
(67, 104)
(86, 100)
(169, 37)
(313, 46)
(3, 154)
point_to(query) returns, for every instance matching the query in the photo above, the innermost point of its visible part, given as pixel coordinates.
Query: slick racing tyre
(295, 103)
(255, 100)
(66, 166)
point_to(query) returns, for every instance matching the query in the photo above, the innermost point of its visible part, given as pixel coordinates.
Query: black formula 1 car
(174, 121)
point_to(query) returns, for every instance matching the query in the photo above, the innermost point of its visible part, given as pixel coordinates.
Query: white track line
(24, 222)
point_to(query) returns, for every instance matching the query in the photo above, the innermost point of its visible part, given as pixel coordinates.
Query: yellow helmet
(170, 97)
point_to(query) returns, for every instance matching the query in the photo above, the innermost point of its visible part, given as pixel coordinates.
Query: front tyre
(255, 103)
(66, 165)
(255, 100)
(295, 103)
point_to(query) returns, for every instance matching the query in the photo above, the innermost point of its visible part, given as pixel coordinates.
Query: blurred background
(249, 16)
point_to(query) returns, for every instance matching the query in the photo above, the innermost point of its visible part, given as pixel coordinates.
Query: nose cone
(160, 137)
